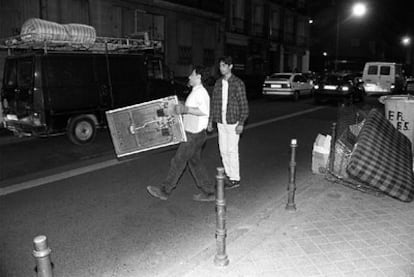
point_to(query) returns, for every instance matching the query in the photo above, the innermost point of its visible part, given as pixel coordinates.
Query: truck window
(10, 74)
(385, 70)
(25, 73)
(372, 70)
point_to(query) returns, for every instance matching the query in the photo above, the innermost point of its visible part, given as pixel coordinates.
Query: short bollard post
(221, 258)
(291, 206)
(41, 253)
(332, 150)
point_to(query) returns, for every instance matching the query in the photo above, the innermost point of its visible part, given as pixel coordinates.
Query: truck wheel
(81, 130)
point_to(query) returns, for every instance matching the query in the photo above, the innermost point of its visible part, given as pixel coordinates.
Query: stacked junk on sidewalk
(371, 150)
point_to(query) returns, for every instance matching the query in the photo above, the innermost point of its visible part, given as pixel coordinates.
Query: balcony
(257, 29)
(238, 25)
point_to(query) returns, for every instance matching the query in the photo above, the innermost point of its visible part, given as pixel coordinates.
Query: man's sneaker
(158, 192)
(232, 184)
(204, 197)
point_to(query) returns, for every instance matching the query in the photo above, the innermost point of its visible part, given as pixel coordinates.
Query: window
(296, 79)
(25, 73)
(185, 36)
(372, 70)
(237, 16)
(151, 23)
(289, 23)
(275, 20)
(10, 73)
(385, 70)
(237, 9)
(258, 20)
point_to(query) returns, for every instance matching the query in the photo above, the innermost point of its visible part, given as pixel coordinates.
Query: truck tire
(81, 130)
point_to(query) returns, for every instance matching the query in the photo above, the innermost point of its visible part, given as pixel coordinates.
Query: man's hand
(239, 129)
(180, 109)
(210, 127)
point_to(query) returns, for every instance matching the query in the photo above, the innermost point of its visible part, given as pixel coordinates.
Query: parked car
(342, 87)
(409, 85)
(290, 84)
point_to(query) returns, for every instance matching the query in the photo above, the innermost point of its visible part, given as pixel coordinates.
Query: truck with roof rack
(55, 86)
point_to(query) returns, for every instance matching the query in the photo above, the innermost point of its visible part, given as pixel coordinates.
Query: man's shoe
(204, 197)
(232, 184)
(157, 192)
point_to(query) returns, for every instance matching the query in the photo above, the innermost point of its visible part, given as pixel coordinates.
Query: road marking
(112, 162)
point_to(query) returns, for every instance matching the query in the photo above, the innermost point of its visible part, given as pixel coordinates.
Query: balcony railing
(238, 25)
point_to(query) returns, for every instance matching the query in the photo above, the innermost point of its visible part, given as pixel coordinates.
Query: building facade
(263, 36)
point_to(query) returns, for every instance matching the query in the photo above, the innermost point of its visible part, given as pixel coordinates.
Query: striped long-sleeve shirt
(237, 105)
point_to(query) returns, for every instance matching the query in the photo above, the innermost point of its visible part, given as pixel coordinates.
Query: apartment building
(266, 36)
(263, 36)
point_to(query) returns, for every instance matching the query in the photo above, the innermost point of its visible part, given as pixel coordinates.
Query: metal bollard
(291, 206)
(41, 253)
(220, 258)
(332, 151)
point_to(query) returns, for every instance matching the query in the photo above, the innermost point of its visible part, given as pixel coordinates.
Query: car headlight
(344, 88)
(316, 87)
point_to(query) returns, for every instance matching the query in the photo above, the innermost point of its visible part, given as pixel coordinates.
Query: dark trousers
(189, 152)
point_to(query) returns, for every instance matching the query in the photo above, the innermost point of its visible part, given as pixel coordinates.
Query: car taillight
(288, 85)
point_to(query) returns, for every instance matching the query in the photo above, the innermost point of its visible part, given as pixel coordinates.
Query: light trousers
(229, 149)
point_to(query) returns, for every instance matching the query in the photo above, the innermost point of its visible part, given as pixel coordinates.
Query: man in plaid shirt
(229, 109)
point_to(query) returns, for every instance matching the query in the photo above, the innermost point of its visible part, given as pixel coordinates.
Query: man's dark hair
(203, 71)
(226, 59)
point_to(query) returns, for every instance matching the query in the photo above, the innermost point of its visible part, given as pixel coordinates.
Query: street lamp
(358, 10)
(406, 40)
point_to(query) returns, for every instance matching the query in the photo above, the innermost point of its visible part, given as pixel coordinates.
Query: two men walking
(229, 109)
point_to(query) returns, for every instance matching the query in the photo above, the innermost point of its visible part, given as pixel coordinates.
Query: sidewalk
(336, 231)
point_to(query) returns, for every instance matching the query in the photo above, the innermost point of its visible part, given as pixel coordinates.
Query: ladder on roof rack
(100, 44)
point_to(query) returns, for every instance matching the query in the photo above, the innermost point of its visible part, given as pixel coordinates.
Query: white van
(382, 78)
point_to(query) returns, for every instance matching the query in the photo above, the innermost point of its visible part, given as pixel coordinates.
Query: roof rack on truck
(140, 42)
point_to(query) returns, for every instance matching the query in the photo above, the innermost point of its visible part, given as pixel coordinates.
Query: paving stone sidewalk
(336, 231)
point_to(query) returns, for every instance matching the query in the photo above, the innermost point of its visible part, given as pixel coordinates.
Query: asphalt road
(103, 223)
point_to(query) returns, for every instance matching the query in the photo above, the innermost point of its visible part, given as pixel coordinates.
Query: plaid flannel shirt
(237, 105)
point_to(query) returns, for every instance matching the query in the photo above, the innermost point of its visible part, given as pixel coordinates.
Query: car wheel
(81, 130)
(296, 96)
